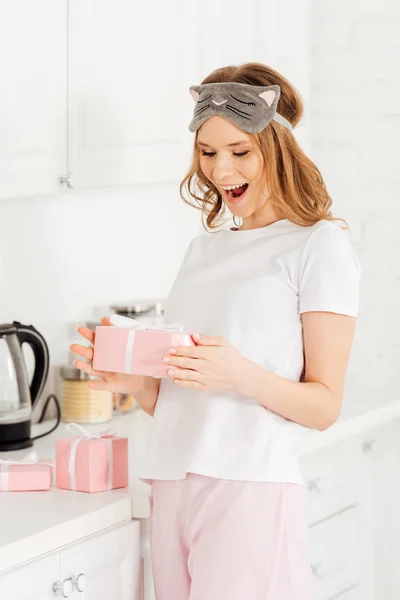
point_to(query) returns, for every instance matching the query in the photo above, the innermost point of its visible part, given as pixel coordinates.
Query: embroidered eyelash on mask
(250, 107)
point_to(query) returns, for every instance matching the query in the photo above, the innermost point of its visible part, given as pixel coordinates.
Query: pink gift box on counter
(26, 475)
(91, 462)
(128, 346)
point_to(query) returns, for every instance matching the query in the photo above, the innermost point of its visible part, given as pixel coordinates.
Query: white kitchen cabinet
(375, 456)
(148, 592)
(334, 555)
(33, 581)
(394, 538)
(129, 72)
(106, 565)
(102, 566)
(33, 115)
(353, 493)
(97, 93)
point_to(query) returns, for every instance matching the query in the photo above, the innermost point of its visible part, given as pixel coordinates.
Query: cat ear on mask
(268, 96)
(194, 91)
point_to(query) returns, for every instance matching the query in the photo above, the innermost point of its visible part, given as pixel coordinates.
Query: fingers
(87, 367)
(87, 333)
(87, 352)
(99, 385)
(82, 351)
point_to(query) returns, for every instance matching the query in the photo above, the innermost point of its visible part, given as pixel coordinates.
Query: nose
(223, 167)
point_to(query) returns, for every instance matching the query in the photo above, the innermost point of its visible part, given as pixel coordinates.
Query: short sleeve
(330, 273)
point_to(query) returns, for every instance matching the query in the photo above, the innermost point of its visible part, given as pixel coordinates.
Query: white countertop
(33, 523)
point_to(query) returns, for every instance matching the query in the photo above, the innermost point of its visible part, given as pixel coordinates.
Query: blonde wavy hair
(297, 189)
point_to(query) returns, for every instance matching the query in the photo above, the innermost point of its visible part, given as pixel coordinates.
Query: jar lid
(140, 307)
(75, 374)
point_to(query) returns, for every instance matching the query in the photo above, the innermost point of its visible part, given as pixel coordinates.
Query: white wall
(64, 257)
(355, 93)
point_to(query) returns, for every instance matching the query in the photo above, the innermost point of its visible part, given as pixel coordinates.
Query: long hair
(297, 189)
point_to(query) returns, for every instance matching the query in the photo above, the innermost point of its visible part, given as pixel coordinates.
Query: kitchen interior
(93, 146)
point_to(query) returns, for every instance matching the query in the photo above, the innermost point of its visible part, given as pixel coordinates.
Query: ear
(195, 94)
(268, 96)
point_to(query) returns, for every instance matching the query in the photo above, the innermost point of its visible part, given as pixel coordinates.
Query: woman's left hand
(212, 365)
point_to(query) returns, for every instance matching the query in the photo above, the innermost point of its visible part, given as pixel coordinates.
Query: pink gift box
(31, 476)
(136, 351)
(97, 463)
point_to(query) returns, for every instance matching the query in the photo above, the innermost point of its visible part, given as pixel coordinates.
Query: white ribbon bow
(133, 325)
(84, 434)
(121, 321)
(30, 459)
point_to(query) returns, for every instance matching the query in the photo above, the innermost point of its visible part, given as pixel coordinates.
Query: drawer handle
(67, 181)
(80, 582)
(63, 588)
(313, 485)
(315, 570)
(369, 446)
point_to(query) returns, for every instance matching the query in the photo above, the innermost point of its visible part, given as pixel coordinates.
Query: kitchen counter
(33, 523)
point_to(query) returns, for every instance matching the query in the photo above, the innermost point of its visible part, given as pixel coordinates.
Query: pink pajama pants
(214, 539)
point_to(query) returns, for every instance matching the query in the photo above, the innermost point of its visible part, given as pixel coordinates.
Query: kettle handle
(28, 334)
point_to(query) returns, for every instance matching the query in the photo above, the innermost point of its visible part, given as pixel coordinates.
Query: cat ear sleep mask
(250, 107)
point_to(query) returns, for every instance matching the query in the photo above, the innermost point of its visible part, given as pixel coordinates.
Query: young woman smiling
(272, 305)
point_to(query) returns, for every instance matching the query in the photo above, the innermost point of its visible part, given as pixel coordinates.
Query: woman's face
(228, 156)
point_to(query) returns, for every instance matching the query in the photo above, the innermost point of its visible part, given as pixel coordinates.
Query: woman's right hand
(120, 383)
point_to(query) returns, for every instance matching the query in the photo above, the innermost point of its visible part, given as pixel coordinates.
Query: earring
(238, 226)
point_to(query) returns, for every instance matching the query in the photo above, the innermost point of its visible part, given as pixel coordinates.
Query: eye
(235, 153)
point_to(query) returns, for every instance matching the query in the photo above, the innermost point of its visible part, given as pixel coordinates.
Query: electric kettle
(18, 396)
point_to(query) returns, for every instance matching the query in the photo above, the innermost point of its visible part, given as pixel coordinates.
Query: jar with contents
(80, 404)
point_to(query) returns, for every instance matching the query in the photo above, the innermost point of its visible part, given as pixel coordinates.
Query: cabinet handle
(80, 582)
(313, 485)
(315, 570)
(63, 588)
(67, 181)
(369, 446)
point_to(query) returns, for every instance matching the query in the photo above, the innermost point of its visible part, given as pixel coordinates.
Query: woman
(273, 305)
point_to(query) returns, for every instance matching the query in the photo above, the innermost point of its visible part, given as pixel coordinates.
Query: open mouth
(237, 193)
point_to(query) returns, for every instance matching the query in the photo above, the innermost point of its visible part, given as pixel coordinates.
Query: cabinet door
(33, 96)
(33, 581)
(394, 574)
(374, 453)
(105, 565)
(129, 101)
(147, 591)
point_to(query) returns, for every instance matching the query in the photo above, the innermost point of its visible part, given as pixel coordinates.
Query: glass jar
(80, 404)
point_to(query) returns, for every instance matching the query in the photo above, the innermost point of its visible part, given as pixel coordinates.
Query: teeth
(232, 187)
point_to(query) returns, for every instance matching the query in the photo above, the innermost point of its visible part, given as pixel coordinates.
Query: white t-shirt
(249, 286)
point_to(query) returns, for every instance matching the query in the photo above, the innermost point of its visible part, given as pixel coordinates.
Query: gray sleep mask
(250, 107)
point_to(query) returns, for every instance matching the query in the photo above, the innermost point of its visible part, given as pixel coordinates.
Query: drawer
(329, 477)
(334, 556)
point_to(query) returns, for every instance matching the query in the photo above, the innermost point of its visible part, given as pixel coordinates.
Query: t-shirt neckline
(265, 229)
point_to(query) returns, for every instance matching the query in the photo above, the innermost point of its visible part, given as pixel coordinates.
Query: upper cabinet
(96, 92)
(33, 78)
(129, 68)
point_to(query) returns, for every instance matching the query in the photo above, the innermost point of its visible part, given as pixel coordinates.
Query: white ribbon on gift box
(30, 459)
(84, 434)
(133, 325)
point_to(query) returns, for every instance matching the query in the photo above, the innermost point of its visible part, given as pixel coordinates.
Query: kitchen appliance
(18, 396)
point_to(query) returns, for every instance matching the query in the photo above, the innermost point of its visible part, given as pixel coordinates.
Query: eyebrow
(229, 145)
